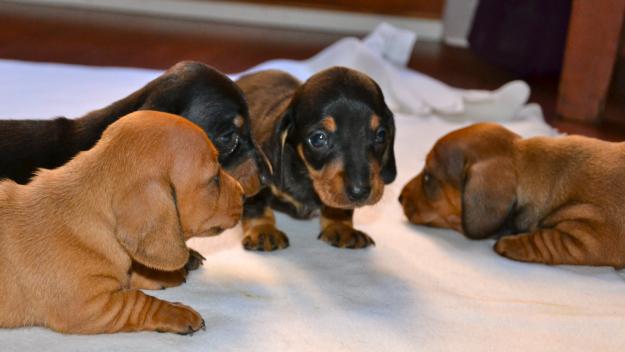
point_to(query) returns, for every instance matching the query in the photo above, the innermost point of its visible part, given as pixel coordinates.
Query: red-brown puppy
(68, 238)
(561, 196)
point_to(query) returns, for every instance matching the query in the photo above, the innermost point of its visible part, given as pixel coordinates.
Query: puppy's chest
(297, 207)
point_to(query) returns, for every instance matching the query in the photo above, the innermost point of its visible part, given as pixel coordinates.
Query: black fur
(297, 112)
(190, 89)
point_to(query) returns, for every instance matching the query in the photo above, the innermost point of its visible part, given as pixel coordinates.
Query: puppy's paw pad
(344, 236)
(195, 261)
(180, 319)
(265, 238)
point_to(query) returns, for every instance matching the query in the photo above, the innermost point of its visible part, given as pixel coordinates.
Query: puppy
(190, 89)
(561, 196)
(149, 184)
(330, 144)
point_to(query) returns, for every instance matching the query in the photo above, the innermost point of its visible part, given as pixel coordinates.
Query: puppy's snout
(357, 192)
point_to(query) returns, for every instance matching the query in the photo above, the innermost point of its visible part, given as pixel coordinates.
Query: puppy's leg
(196, 260)
(337, 229)
(142, 277)
(132, 310)
(570, 242)
(259, 226)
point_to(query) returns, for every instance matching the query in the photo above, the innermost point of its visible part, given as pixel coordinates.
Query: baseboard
(255, 14)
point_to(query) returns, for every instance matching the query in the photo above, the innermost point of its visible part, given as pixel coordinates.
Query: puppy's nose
(358, 192)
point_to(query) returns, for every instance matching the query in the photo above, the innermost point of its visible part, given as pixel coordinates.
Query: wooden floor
(82, 37)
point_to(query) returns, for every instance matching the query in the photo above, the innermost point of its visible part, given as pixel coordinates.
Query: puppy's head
(171, 187)
(467, 184)
(342, 130)
(216, 104)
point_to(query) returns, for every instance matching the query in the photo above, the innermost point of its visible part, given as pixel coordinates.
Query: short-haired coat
(68, 238)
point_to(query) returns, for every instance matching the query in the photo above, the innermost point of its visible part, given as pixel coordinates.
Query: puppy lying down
(150, 183)
(561, 197)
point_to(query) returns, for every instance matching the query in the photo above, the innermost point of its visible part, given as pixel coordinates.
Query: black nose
(401, 198)
(357, 193)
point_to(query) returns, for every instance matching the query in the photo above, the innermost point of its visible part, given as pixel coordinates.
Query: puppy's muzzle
(358, 193)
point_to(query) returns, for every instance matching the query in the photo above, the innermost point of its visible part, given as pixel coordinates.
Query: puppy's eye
(228, 142)
(318, 139)
(380, 135)
(427, 178)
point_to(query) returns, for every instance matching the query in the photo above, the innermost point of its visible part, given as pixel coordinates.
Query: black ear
(488, 196)
(281, 135)
(389, 169)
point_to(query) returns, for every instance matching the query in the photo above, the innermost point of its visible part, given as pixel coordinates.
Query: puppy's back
(268, 94)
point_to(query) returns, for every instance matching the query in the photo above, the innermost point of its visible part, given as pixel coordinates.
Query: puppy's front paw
(178, 318)
(265, 238)
(344, 236)
(512, 247)
(195, 261)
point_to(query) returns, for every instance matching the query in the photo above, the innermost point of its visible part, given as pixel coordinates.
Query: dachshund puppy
(189, 89)
(561, 196)
(149, 184)
(330, 144)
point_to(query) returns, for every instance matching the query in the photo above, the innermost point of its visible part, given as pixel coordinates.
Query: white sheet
(418, 289)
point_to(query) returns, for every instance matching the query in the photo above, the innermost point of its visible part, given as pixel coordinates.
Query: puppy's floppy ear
(281, 134)
(488, 196)
(389, 169)
(148, 226)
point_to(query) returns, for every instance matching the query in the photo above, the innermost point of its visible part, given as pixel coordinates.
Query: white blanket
(419, 289)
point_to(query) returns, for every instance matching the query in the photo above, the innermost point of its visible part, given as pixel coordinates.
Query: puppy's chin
(452, 222)
(213, 231)
(341, 201)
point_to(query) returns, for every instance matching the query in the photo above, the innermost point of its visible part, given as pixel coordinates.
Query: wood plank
(432, 9)
(591, 50)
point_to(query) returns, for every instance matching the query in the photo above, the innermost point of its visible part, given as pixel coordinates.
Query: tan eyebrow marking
(375, 122)
(329, 124)
(238, 121)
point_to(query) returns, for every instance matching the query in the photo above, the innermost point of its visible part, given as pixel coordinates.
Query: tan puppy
(67, 239)
(562, 196)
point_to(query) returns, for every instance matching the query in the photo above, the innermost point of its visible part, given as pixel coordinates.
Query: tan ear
(488, 197)
(148, 226)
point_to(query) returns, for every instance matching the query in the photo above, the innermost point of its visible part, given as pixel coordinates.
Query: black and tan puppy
(330, 143)
(192, 90)
(189, 89)
(561, 197)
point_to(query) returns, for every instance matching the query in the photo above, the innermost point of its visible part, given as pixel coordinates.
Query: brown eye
(380, 136)
(427, 178)
(318, 139)
(429, 185)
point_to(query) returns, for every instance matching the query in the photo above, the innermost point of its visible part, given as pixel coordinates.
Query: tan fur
(261, 232)
(68, 239)
(238, 121)
(329, 124)
(329, 185)
(266, 106)
(568, 192)
(337, 229)
(375, 122)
